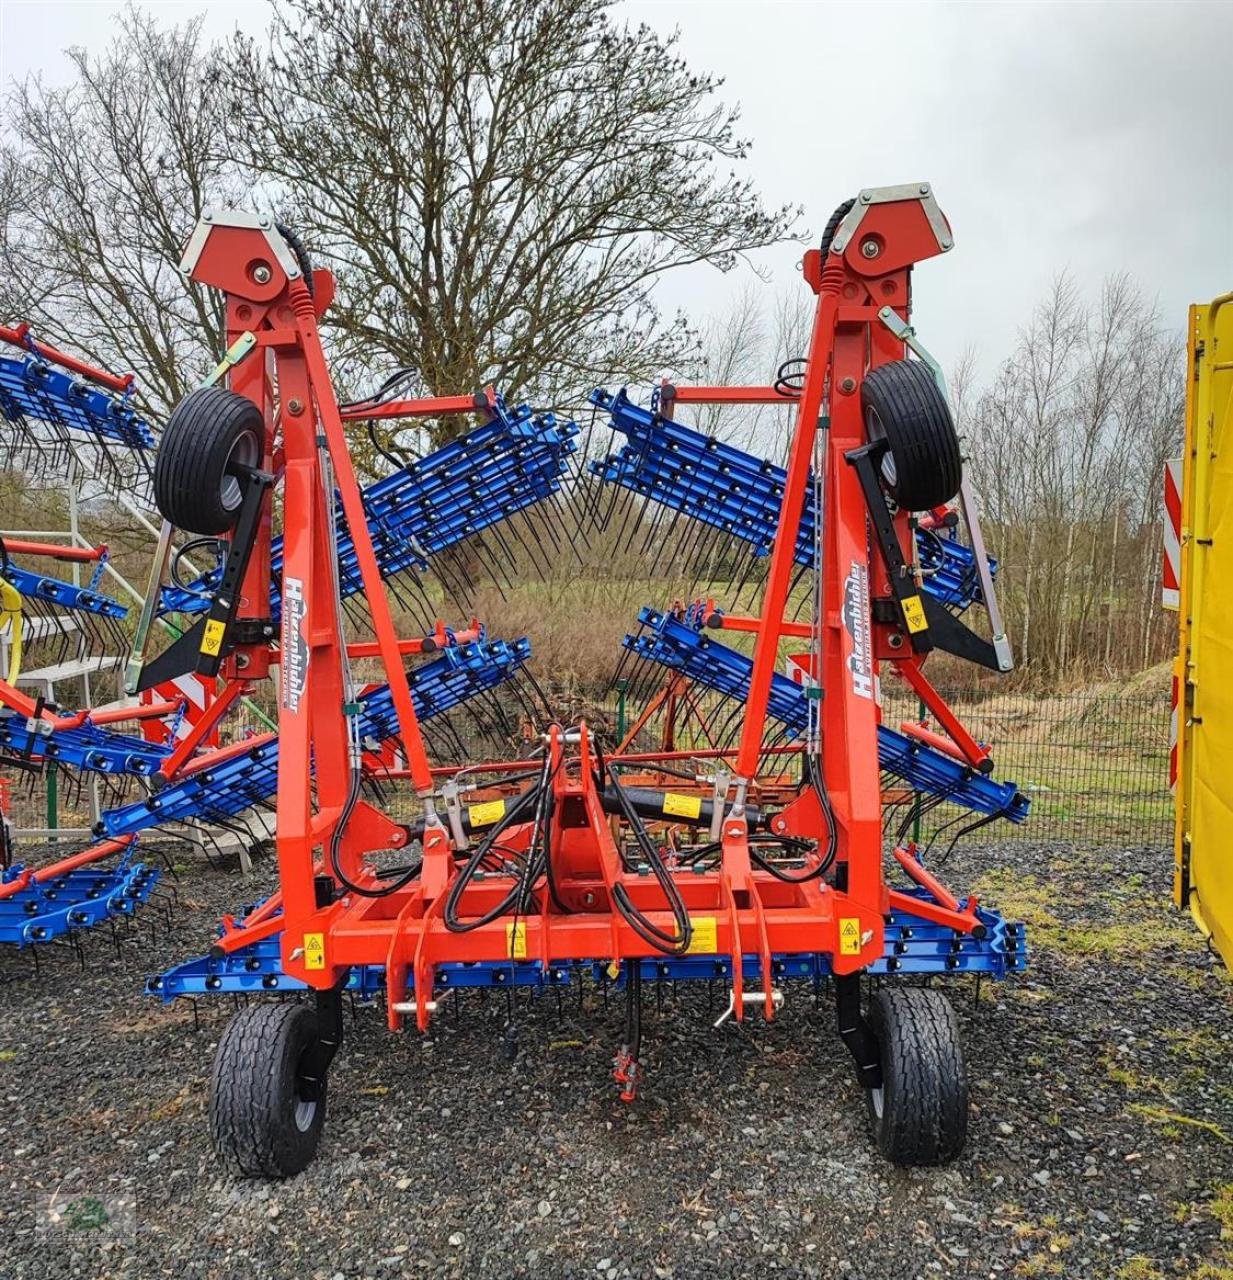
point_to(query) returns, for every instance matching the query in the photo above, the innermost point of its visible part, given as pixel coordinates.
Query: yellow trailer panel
(1203, 842)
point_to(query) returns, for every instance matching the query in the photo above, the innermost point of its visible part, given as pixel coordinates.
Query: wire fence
(1094, 762)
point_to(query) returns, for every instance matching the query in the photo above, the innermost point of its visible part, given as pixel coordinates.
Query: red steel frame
(737, 909)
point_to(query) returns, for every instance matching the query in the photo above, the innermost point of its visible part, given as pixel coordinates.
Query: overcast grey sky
(1088, 137)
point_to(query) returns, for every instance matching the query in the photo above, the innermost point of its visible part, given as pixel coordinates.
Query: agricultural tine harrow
(735, 497)
(212, 790)
(571, 859)
(41, 909)
(912, 947)
(47, 621)
(225, 783)
(63, 412)
(87, 746)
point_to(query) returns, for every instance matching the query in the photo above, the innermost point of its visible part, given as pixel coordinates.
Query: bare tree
(102, 181)
(497, 184)
(1067, 448)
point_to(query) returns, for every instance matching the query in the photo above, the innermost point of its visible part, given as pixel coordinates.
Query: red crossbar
(19, 337)
(19, 547)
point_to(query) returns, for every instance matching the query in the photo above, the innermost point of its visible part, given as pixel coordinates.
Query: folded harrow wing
(61, 412)
(514, 461)
(222, 784)
(574, 859)
(51, 629)
(678, 642)
(737, 496)
(212, 788)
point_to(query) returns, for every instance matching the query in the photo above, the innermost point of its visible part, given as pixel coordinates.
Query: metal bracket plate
(238, 218)
(921, 191)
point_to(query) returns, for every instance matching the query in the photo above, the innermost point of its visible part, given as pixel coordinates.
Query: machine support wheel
(268, 1089)
(920, 1114)
(905, 409)
(210, 433)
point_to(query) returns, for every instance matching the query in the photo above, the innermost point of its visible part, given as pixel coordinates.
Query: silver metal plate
(921, 191)
(238, 218)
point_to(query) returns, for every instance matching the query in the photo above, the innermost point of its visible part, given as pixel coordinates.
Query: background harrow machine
(60, 414)
(60, 411)
(575, 858)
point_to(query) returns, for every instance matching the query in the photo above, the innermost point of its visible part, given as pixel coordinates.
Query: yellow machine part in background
(1203, 840)
(11, 624)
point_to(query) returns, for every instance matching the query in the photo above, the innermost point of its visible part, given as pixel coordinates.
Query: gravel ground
(1101, 1141)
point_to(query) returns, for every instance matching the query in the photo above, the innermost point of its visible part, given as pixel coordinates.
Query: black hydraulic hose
(396, 462)
(362, 891)
(790, 377)
(814, 773)
(527, 801)
(649, 932)
(832, 225)
(791, 843)
(395, 382)
(193, 544)
(298, 248)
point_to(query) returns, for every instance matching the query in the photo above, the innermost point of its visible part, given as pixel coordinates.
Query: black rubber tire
(920, 1115)
(261, 1123)
(904, 406)
(208, 431)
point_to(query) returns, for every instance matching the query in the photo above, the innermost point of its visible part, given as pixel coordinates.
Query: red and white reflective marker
(1172, 565)
(198, 692)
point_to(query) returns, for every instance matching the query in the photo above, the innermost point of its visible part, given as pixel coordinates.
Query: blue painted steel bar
(488, 475)
(78, 900)
(85, 747)
(682, 646)
(30, 387)
(222, 790)
(38, 586)
(729, 489)
(913, 945)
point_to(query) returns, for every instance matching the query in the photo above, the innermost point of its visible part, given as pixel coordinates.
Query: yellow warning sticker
(849, 936)
(914, 614)
(614, 969)
(706, 936)
(484, 815)
(678, 806)
(516, 940)
(314, 951)
(212, 637)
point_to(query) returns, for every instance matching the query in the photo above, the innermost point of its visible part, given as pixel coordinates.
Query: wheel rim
(307, 1095)
(246, 453)
(305, 1113)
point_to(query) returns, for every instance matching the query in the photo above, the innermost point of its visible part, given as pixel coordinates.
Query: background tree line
(498, 187)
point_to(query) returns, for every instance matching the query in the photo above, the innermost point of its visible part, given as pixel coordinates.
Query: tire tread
(919, 430)
(246, 1092)
(192, 455)
(925, 1094)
